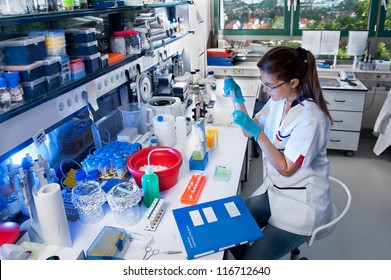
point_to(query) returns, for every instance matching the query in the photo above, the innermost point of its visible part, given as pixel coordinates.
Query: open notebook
(216, 225)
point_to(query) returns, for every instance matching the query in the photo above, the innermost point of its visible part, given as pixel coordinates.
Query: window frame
(382, 32)
(268, 32)
(344, 33)
(291, 22)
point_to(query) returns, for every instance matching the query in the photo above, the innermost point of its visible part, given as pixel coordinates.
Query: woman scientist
(292, 130)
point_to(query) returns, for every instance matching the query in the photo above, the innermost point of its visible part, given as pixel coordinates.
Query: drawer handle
(335, 140)
(340, 121)
(339, 101)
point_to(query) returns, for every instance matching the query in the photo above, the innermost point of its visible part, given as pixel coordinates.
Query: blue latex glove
(246, 123)
(230, 84)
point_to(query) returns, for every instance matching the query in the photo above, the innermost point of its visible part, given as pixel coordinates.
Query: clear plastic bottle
(150, 185)
(211, 83)
(133, 42)
(197, 76)
(80, 177)
(5, 97)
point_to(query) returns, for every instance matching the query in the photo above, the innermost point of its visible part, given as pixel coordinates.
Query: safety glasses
(272, 86)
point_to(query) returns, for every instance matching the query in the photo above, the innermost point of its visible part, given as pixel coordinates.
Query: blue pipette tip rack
(198, 164)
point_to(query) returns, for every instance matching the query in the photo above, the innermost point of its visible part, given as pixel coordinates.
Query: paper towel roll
(51, 215)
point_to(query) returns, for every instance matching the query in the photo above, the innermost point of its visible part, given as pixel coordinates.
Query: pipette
(232, 96)
(23, 185)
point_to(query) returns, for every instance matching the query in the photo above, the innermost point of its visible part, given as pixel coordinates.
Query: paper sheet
(357, 42)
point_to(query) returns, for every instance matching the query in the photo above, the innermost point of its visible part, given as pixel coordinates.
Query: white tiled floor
(365, 232)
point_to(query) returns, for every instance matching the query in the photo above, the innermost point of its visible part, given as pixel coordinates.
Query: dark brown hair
(288, 63)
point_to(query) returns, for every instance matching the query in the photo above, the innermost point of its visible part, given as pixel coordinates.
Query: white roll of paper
(51, 215)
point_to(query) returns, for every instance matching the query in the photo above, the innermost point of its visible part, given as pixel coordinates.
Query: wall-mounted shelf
(52, 16)
(23, 121)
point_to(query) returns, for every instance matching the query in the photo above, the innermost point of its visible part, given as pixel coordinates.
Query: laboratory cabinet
(53, 108)
(346, 107)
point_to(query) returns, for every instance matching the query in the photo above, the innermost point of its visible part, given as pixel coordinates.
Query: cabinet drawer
(350, 121)
(345, 100)
(343, 140)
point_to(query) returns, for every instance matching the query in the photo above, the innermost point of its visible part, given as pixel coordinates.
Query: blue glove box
(82, 35)
(92, 63)
(28, 72)
(34, 89)
(81, 49)
(51, 65)
(52, 82)
(24, 50)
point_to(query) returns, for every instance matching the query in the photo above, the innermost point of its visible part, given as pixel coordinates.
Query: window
(340, 15)
(284, 20)
(254, 17)
(385, 19)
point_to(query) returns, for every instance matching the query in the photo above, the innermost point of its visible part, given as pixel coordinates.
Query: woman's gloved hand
(229, 85)
(246, 123)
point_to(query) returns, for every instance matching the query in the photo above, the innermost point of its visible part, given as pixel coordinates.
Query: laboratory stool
(337, 188)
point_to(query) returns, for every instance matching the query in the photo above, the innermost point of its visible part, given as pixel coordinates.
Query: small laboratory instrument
(199, 158)
(154, 215)
(193, 189)
(110, 242)
(347, 76)
(149, 252)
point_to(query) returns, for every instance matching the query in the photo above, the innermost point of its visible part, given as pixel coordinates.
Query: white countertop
(228, 153)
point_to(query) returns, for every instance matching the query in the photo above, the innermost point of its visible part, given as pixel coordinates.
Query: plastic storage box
(115, 57)
(92, 63)
(52, 82)
(82, 35)
(24, 50)
(51, 66)
(34, 88)
(28, 72)
(105, 60)
(110, 243)
(81, 49)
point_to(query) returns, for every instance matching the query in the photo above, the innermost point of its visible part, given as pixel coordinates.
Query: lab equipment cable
(62, 172)
(94, 128)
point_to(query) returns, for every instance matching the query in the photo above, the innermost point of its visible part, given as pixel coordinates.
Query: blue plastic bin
(92, 63)
(34, 89)
(51, 65)
(83, 49)
(82, 35)
(24, 50)
(28, 72)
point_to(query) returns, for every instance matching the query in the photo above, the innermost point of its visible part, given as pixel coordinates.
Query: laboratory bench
(230, 152)
(345, 101)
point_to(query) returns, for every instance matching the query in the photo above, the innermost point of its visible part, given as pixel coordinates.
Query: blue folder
(214, 226)
(220, 61)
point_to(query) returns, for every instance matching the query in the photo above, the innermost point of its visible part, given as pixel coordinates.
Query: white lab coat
(383, 127)
(301, 202)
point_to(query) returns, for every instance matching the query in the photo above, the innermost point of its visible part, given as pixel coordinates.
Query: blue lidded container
(52, 65)
(24, 50)
(81, 49)
(80, 35)
(34, 88)
(92, 62)
(29, 72)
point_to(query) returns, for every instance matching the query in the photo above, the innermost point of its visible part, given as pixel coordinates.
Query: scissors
(149, 252)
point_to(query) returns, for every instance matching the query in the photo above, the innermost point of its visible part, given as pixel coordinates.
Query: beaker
(136, 115)
(124, 201)
(88, 199)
